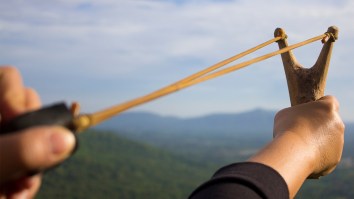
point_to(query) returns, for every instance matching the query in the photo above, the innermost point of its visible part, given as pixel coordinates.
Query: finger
(34, 185)
(32, 99)
(22, 188)
(12, 96)
(33, 150)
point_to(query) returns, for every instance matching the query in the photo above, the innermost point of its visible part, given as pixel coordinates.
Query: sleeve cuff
(260, 178)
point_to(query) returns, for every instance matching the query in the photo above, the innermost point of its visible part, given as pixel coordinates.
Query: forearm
(290, 156)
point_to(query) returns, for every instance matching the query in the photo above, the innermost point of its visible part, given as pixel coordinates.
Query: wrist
(300, 148)
(291, 157)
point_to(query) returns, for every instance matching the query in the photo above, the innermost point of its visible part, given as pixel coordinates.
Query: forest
(137, 164)
(108, 166)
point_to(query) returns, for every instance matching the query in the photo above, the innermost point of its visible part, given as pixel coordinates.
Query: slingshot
(304, 85)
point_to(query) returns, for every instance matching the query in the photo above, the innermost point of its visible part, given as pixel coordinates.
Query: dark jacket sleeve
(243, 180)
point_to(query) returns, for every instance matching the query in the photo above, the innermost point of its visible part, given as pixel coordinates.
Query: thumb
(32, 150)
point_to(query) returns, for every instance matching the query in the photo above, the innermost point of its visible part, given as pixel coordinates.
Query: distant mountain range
(185, 150)
(218, 133)
(256, 122)
(109, 166)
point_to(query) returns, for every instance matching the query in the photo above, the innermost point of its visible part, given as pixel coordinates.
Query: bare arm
(308, 141)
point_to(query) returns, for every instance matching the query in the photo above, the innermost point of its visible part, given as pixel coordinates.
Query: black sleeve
(243, 180)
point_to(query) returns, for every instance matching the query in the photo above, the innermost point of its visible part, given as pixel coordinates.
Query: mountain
(158, 164)
(209, 137)
(254, 123)
(257, 122)
(109, 166)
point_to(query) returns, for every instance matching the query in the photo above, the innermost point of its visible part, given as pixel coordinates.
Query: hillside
(208, 139)
(140, 124)
(107, 166)
(169, 164)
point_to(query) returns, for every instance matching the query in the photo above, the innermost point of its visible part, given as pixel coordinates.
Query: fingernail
(62, 141)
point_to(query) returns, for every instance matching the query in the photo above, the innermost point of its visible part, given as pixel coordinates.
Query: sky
(103, 52)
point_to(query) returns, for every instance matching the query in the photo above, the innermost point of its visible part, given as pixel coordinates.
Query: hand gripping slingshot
(304, 85)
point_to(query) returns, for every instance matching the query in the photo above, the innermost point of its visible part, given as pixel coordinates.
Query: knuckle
(280, 114)
(342, 126)
(330, 103)
(8, 70)
(339, 124)
(337, 161)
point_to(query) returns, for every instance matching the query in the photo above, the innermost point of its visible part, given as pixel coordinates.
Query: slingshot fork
(307, 84)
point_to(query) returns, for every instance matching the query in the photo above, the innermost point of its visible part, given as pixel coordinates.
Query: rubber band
(201, 76)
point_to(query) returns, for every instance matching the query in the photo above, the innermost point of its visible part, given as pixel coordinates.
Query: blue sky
(103, 52)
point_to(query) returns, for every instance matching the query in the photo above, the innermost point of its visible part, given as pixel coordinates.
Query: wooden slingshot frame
(307, 84)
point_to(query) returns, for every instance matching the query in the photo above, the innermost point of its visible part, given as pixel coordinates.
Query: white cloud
(160, 41)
